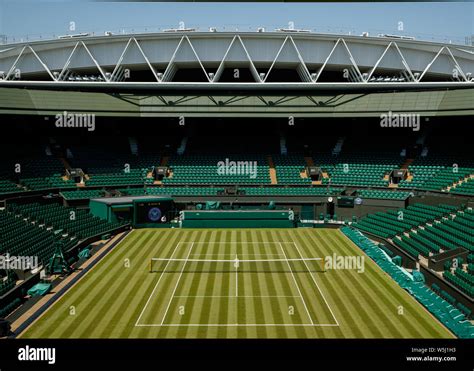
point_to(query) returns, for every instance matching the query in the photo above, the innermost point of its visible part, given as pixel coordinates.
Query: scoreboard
(152, 212)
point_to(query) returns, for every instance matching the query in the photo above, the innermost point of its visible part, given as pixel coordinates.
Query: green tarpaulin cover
(84, 254)
(39, 289)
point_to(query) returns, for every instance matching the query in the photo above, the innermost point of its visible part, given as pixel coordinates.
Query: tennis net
(174, 265)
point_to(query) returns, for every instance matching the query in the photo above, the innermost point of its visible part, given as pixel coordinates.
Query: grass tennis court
(220, 284)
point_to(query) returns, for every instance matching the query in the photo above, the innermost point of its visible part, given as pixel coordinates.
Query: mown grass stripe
(151, 312)
(196, 284)
(110, 298)
(100, 314)
(374, 303)
(349, 308)
(183, 284)
(82, 300)
(324, 281)
(288, 288)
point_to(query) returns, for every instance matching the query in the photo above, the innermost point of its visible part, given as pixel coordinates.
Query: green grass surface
(120, 300)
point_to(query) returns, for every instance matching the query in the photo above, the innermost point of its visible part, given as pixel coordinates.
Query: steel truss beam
(236, 41)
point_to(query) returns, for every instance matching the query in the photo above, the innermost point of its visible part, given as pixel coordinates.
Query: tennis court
(241, 283)
(233, 275)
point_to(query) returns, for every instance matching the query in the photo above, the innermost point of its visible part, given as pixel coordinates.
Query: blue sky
(430, 21)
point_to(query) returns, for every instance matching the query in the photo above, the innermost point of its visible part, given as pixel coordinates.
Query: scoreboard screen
(154, 211)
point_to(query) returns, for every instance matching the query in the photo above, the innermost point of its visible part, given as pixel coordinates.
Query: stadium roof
(447, 102)
(120, 58)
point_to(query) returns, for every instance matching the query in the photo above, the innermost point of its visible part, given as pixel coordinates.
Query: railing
(240, 28)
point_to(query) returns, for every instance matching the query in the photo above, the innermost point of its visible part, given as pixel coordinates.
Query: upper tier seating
(436, 173)
(113, 166)
(465, 188)
(204, 169)
(357, 169)
(35, 173)
(288, 169)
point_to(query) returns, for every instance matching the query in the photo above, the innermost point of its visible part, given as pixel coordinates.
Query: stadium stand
(289, 169)
(442, 306)
(392, 223)
(204, 169)
(81, 224)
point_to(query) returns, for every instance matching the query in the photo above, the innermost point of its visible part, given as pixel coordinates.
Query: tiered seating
(451, 299)
(436, 172)
(391, 223)
(7, 309)
(20, 237)
(114, 165)
(183, 191)
(413, 247)
(465, 188)
(83, 194)
(203, 169)
(358, 170)
(461, 279)
(7, 186)
(446, 177)
(421, 174)
(382, 194)
(447, 231)
(44, 173)
(59, 218)
(281, 191)
(447, 234)
(453, 317)
(6, 284)
(288, 169)
(118, 178)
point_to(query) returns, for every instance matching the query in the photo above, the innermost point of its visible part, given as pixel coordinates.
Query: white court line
(177, 283)
(236, 276)
(239, 325)
(314, 280)
(230, 297)
(154, 288)
(137, 324)
(221, 254)
(236, 243)
(296, 283)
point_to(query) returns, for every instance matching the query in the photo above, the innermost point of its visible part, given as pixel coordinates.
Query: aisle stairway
(272, 170)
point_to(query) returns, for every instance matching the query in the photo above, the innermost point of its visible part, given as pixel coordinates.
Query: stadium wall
(237, 219)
